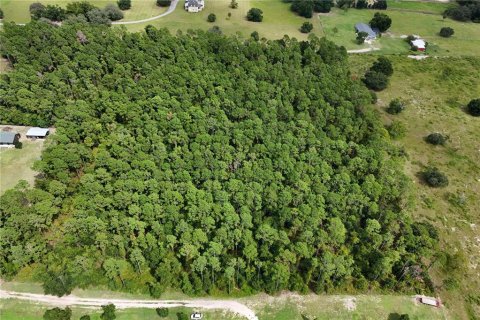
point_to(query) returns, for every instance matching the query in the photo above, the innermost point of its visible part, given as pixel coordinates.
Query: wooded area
(204, 163)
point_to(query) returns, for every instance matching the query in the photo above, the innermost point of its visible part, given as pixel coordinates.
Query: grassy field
(436, 91)
(17, 10)
(16, 164)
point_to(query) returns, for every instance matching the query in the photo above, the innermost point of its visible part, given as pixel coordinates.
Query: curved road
(171, 8)
(229, 305)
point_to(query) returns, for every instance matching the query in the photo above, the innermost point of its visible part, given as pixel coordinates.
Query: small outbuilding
(419, 44)
(363, 27)
(430, 301)
(37, 133)
(9, 139)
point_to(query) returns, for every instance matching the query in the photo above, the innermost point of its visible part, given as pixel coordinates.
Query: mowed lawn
(16, 164)
(18, 10)
(436, 91)
(338, 26)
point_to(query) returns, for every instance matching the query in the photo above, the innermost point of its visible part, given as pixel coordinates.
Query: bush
(306, 27)
(164, 3)
(396, 130)
(113, 12)
(97, 16)
(79, 8)
(396, 106)
(85, 317)
(1, 13)
(124, 4)
(255, 15)
(108, 312)
(446, 32)
(182, 316)
(211, 17)
(234, 4)
(375, 80)
(162, 312)
(58, 314)
(323, 6)
(434, 178)
(361, 36)
(255, 36)
(381, 21)
(473, 107)
(374, 96)
(436, 139)
(383, 65)
(36, 10)
(215, 29)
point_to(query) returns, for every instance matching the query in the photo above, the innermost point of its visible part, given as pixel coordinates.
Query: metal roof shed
(37, 132)
(363, 27)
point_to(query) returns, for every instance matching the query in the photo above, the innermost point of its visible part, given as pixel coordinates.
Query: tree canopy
(201, 162)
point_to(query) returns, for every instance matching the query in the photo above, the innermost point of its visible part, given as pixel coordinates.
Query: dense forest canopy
(201, 162)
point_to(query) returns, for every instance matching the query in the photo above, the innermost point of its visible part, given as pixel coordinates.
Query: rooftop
(363, 27)
(7, 137)
(37, 132)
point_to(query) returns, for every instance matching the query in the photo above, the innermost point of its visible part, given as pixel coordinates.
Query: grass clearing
(16, 164)
(436, 90)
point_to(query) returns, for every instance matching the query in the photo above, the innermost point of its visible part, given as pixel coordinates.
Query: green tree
(233, 4)
(436, 138)
(396, 106)
(397, 130)
(446, 32)
(164, 3)
(97, 16)
(108, 312)
(473, 107)
(58, 314)
(383, 65)
(162, 312)
(255, 15)
(361, 37)
(375, 80)
(211, 17)
(182, 316)
(113, 12)
(306, 27)
(303, 8)
(434, 178)
(81, 7)
(124, 4)
(1, 13)
(381, 21)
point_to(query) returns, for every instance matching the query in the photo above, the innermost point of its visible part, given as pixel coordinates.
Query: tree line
(203, 163)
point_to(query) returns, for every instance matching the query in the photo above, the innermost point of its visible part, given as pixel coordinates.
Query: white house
(194, 5)
(419, 44)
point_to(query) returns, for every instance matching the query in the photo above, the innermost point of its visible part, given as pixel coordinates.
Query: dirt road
(71, 300)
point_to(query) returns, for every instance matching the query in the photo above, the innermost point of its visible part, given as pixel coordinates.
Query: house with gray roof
(363, 27)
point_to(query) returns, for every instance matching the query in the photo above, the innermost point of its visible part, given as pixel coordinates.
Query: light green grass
(17, 10)
(436, 91)
(15, 164)
(423, 6)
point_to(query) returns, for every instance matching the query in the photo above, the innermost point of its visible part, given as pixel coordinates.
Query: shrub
(79, 8)
(375, 80)
(374, 96)
(164, 3)
(361, 36)
(97, 16)
(215, 29)
(446, 32)
(436, 138)
(113, 12)
(234, 4)
(124, 4)
(255, 36)
(434, 178)
(396, 130)
(211, 17)
(383, 65)
(57, 314)
(323, 6)
(108, 312)
(19, 145)
(396, 106)
(162, 312)
(1, 13)
(306, 27)
(473, 107)
(255, 15)
(182, 316)
(303, 8)
(381, 21)
(36, 10)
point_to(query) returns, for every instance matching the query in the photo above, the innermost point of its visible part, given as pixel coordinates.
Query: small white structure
(430, 301)
(419, 44)
(194, 5)
(37, 133)
(196, 316)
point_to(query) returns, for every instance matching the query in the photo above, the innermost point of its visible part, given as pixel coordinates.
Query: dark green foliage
(446, 32)
(50, 12)
(383, 65)
(124, 4)
(211, 17)
(182, 316)
(381, 21)
(473, 107)
(108, 312)
(361, 4)
(375, 80)
(303, 8)
(36, 10)
(58, 314)
(344, 4)
(396, 106)
(77, 8)
(374, 96)
(203, 163)
(162, 312)
(361, 36)
(255, 36)
(1, 13)
(465, 11)
(164, 3)
(379, 5)
(323, 6)
(98, 16)
(306, 27)
(397, 130)
(19, 145)
(113, 12)
(85, 317)
(255, 15)
(215, 29)
(436, 138)
(434, 178)
(234, 4)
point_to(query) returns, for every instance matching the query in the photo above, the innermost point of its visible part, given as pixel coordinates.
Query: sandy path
(71, 300)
